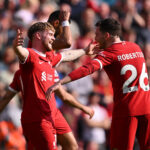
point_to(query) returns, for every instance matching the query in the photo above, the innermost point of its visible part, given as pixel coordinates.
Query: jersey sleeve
(85, 70)
(27, 64)
(15, 84)
(105, 58)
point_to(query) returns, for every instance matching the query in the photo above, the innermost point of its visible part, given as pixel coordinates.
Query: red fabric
(16, 83)
(61, 124)
(37, 75)
(124, 63)
(84, 70)
(41, 135)
(123, 131)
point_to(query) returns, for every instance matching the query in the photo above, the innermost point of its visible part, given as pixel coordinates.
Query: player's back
(129, 77)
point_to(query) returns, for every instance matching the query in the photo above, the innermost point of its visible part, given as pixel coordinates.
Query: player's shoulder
(32, 51)
(131, 44)
(124, 47)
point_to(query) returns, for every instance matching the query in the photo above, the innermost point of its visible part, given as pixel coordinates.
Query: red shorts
(41, 134)
(61, 124)
(124, 130)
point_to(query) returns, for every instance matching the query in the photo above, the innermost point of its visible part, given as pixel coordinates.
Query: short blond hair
(39, 26)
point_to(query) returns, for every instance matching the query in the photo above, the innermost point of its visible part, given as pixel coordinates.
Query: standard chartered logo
(43, 76)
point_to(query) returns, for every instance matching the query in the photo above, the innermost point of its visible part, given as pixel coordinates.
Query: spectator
(94, 130)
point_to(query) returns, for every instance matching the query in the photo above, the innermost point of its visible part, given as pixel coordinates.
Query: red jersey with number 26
(125, 65)
(38, 75)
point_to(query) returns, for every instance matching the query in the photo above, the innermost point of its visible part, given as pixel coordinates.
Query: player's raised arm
(20, 51)
(75, 75)
(91, 49)
(82, 71)
(64, 40)
(69, 99)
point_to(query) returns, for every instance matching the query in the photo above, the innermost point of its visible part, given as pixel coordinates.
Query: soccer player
(125, 65)
(61, 125)
(60, 21)
(37, 75)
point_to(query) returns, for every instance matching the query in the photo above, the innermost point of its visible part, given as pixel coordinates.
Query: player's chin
(49, 47)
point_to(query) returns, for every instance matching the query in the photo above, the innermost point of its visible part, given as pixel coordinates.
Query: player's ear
(38, 35)
(107, 35)
(56, 23)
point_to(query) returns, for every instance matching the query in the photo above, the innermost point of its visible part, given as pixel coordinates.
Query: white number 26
(126, 88)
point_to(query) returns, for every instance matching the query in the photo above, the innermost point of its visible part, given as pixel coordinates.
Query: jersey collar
(41, 54)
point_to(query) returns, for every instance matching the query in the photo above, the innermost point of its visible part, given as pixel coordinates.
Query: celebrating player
(61, 126)
(38, 74)
(125, 65)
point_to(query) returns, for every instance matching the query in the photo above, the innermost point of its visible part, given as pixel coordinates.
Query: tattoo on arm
(72, 54)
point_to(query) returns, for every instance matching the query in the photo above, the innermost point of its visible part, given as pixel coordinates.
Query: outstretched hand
(93, 48)
(19, 40)
(51, 89)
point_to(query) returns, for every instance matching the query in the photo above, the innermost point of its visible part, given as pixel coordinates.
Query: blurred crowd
(94, 90)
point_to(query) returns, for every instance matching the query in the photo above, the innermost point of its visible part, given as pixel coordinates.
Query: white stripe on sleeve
(101, 65)
(60, 60)
(12, 90)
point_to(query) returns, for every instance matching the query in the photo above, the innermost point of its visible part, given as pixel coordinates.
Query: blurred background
(94, 90)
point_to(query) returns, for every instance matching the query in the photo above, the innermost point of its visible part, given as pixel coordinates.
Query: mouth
(50, 42)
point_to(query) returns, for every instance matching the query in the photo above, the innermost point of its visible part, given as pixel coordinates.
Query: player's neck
(112, 41)
(39, 47)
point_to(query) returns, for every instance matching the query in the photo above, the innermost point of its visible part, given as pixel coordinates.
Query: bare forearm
(64, 40)
(68, 98)
(6, 99)
(72, 54)
(22, 53)
(66, 35)
(65, 80)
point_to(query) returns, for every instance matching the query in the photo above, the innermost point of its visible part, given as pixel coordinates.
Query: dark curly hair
(109, 25)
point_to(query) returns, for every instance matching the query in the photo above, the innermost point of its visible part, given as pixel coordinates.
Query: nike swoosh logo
(41, 62)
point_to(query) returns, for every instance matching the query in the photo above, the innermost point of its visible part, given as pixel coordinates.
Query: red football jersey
(60, 124)
(125, 65)
(16, 83)
(37, 75)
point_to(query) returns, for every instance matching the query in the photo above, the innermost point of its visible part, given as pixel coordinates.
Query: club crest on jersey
(41, 62)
